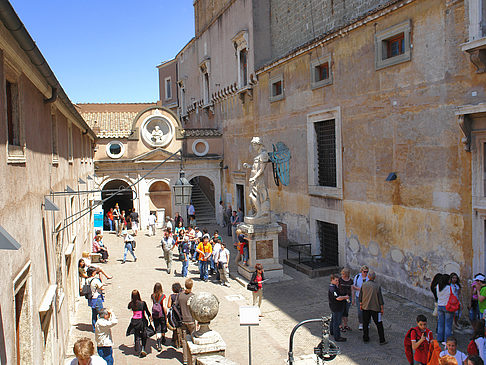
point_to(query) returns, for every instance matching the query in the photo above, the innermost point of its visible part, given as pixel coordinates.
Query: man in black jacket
(336, 303)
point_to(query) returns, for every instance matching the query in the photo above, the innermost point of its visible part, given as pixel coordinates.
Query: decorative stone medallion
(157, 130)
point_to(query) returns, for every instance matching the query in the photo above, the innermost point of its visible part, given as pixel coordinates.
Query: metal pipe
(291, 341)
(53, 97)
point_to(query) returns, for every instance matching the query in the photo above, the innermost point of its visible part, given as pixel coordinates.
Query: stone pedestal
(263, 249)
(218, 347)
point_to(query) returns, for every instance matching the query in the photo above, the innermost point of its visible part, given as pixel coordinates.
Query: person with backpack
(95, 297)
(417, 342)
(478, 342)
(159, 315)
(358, 281)
(176, 331)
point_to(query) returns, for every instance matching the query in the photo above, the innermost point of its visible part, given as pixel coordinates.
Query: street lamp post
(182, 190)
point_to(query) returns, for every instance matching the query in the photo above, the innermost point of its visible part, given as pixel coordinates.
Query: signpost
(249, 316)
(98, 218)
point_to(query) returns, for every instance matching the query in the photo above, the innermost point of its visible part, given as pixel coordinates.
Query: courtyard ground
(285, 304)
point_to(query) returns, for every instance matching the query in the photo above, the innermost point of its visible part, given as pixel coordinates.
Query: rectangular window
(55, 152)
(395, 46)
(326, 152)
(321, 74)
(168, 88)
(243, 67)
(206, 88)
(276, 88)
(70, 143)
(183, 101)
(13, 118)
(329, 243)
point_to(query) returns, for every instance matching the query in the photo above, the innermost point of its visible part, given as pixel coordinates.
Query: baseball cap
(479, 277)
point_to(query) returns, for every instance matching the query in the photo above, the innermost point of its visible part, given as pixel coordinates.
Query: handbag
(252, 286)
(453, 303)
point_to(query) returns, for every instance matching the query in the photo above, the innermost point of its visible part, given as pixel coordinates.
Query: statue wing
(280, 158)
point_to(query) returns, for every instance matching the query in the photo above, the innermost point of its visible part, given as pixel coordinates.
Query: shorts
(134, 226)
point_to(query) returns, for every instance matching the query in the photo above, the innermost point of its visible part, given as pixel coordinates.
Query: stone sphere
(204, 307)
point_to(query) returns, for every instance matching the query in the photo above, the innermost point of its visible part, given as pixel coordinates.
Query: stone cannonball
(204, 307)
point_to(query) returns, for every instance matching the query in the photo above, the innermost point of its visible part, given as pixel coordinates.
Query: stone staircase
(205, 213)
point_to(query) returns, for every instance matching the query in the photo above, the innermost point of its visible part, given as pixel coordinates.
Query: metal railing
(299, 252)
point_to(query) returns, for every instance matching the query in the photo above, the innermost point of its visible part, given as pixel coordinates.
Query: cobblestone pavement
(285, 304)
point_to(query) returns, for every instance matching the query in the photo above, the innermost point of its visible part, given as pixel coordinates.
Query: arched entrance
(160, 198)
(124, 200)
(202, 198)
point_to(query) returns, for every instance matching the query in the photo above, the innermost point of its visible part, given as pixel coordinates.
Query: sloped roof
(111, 120)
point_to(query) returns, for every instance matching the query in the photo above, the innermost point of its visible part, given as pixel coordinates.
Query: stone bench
(214, 360)
(95, 257)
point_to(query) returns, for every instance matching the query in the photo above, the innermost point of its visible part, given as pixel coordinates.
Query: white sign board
(249, 315)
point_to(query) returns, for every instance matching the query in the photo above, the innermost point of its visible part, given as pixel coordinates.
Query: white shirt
(103, 331)
(167, 243)
(168, 224)
(481, 344)
(95, 360)
(152, 219)
(199, 235)
(129, 238)
(95, 285)
(216, 249)
(443, 295)
(223, 256)
(460, 357)
(358, 282)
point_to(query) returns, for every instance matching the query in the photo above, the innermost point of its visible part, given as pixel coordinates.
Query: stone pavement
(285, 304)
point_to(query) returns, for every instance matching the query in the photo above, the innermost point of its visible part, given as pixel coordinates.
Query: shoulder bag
(453, 303)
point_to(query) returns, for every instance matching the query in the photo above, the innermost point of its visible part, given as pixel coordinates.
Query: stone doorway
(160, 200)
(124, 200)
(203, 199)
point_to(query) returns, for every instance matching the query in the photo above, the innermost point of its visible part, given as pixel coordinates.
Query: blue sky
(105, 50)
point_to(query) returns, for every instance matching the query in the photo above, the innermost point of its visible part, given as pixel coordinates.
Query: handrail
(298, 251)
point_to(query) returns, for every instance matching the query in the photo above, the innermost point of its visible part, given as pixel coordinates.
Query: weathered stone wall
(294, 23)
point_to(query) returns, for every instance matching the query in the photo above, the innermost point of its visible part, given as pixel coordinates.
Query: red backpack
(407, 343)
(472, 348)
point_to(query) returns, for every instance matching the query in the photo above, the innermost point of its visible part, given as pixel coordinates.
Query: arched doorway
(124, 199)
(160, 199)
(202, 198)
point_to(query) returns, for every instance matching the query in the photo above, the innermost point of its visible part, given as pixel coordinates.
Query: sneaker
(384, 342)
(123, 262)
(341, 339)
(360, 327)
(136, 261)
(143, 353)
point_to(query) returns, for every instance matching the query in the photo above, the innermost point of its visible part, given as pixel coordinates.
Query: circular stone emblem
(157, 131)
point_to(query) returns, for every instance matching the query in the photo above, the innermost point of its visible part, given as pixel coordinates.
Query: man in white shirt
(152, 219)
(168, 224)
(96, 300)
(222, 260)
(104, 339)
(357, 284)
(168, 245)
(214, 258)
(220, 214)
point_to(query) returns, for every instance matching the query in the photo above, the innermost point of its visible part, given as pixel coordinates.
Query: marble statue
(157, 135)
(258, 194)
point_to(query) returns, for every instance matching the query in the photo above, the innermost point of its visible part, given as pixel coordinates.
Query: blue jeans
(245, 253)
(110, 222)
(106, 353)
(203, 270)
(128, 247)
(444, 323)
(474, 312)
(185, 264)
(335, 323)
(94, 317)
(360, 312)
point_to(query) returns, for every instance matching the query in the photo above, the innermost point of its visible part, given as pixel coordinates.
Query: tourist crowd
(167, 312)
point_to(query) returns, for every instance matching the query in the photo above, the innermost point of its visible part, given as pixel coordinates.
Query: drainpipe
(53, 97)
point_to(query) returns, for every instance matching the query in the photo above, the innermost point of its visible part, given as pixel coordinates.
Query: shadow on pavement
(85, 327)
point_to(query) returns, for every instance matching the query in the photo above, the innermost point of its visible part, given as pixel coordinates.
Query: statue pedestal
(214, 347)
(263, 249)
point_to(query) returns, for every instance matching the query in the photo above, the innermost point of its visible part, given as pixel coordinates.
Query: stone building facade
(46, 148)
(129, 148)
(382, 105)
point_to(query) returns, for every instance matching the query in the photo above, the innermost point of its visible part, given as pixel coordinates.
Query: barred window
(326, 152)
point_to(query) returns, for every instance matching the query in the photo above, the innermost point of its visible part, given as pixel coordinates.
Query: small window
(321, 72)
(276, 88)
(13, 120)
(392, 45)
(115, 149)
(395, 46)
(70, 143)
(243, 68)
(55, 152)
(168, 88)
(206, 88)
